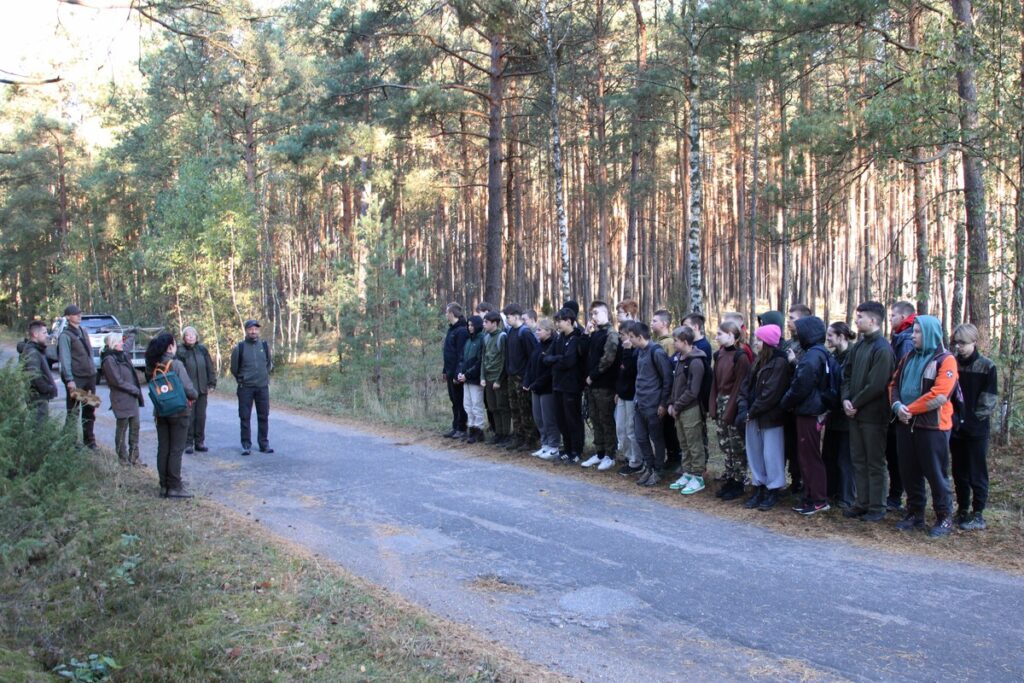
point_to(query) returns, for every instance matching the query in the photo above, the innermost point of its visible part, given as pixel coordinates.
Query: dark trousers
(455, 395)
(808, 448)
(923, 453)
(197, 423)
(867, 450)
(496, 401)
(170, 444)
(261, 397)
(892, 461)
(970, 470)
(649, 430)
(673, 451)
(791, 450)
(88, 412)
(602, 419)
(570, 420)
(839, 466)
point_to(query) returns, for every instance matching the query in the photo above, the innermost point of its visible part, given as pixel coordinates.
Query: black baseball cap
(72, 310)
(251, 323)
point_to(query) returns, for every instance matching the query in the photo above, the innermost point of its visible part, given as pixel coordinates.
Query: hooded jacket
(686, 386)
(732, 365)
(866, 373)
(653, 378)
(125, 390)
(41, 386)
(804, 396)
(493, 363)
(454, 340)
(472, 356)
(925, 380)
(980, 386)
(762, 393)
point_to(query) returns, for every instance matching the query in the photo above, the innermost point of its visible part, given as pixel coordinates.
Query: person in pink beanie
(762, 418)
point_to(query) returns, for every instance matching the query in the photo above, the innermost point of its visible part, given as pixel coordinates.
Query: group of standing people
(192, 364)
(855, 418)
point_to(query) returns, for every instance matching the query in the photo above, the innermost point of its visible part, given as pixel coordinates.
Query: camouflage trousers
(602, 420)
(521, 403)
(730, 442)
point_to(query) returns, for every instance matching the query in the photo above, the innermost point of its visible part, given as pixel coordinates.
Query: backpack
(832, 382)
(167, 391)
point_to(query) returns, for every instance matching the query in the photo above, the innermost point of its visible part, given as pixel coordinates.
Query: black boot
(769, 500)
(735, 490)
(755, 499)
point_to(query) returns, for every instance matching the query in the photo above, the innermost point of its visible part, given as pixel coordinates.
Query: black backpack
(832, 381)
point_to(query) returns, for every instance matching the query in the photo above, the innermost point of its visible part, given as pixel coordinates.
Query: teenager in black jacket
(454, 341)
(538, 381)
(567, 376)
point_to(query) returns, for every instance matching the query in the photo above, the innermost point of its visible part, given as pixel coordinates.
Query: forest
(340, 169)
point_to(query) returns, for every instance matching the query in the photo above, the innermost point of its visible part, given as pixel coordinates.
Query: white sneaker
(607, 462)
(693, 486)
(591, 461)
(540, 451)
(680, 483)
(548, 454)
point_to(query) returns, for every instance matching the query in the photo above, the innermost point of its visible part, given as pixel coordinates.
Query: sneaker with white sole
(540, 452)
(693, 486)
(607, 462)
(548, 454)
(679, 483)
(591, 461)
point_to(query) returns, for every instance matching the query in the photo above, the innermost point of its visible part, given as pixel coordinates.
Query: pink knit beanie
(769, 334)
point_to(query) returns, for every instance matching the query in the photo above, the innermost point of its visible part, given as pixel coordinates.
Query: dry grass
(214, 596)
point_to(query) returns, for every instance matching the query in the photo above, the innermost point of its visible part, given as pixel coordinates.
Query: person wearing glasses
(969, 442)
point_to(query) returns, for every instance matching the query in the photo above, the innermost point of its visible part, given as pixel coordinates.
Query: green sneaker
(681, 482)
(693, 486)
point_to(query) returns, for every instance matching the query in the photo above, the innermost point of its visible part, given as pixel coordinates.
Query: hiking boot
(628, 470)
(607, 462)
(695, 485)
(943, 527)
(179, 492)
(450, 434)
(735, 490)
(163, 491)
(266, 449)
(591, 461)
(189, 451)
(961, 516)
(645, 474)
(201, 448)
(459, 434)
(854, 512)
(873, 516)
(471, 436)
(769, 500)
(755, 500)
(975, 522)
(910, 522)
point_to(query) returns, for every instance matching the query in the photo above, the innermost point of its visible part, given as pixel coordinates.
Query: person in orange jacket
(920, 394)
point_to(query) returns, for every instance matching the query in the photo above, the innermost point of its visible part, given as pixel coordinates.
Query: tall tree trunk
(629, 290)
(696, 303)
(600, 120)
(556, 147)
(752, 229)
(974, 187)
(924, 273)
(495, 227)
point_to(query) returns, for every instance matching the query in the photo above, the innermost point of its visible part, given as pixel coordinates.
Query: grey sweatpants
(766, 455)
(545, 416)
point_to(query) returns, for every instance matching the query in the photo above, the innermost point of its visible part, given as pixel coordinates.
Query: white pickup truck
(99, 326)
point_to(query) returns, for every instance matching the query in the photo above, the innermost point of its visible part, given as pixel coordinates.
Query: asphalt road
(604, 585)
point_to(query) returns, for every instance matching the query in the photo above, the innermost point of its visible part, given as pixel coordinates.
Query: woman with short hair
(125, 397)
(203, 373)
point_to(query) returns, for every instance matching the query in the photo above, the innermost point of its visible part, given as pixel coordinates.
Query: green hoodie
(910, 382)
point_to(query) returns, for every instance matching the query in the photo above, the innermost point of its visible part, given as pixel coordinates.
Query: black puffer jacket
(761, 396)
(454, 341)
(804, 396)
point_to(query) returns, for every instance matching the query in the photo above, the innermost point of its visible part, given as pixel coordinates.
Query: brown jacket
(731, 369)
(686, 386)
(125, 392)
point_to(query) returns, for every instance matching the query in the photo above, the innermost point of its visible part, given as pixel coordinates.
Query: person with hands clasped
(921, 395)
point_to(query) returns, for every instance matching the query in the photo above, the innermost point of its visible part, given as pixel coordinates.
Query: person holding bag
(167, 377)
